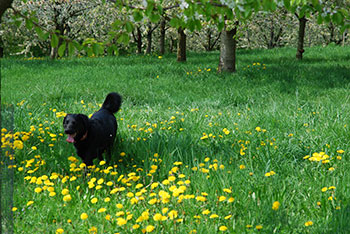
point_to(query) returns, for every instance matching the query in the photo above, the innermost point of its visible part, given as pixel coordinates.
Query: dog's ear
(84, 119)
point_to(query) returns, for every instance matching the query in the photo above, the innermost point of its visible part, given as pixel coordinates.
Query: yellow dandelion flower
(67, 198)
(121, 221)
(222, 228)
(276, 205)
(38, 190)
(94, 200)
(172, 214)
(101, 210)
(59, 231)
(84, 216)
(308, 223)
(150, 228)
(65, 191)
(154, 185)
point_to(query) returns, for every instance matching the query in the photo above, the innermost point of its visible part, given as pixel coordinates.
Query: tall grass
(275, 131)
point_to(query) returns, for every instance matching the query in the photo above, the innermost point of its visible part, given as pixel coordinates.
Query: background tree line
(85, 27)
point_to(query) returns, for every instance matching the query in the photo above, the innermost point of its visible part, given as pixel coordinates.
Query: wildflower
(222, 228)
(59, 231)
(172, 214)
(121, 221)
(84, 216)
(38, 190)
(149, 228)
(100, 181)
(308, 223)
(154, 185)
(201, 198)
(258, 227)
(94, 200)
(107, 199)
(276, 205)
(241, 166)
(102, 163)
(101, 210)
(119, 206)
(67, 198)
(17, 144)
(222, 198)
(93, 230)
(159, 217)
(205, 212)
(65, 191)
(213, 216)
(14, 209)
(324, 189)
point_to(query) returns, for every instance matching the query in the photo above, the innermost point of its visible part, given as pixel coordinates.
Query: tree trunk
(270, 45)
(181, 46)
(139, 40)
(162, 37)
(344, 38)
(208, 46)
(149, 42)
(301, 35)
(227, 60)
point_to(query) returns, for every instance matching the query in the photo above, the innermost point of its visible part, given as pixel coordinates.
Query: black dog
(91, 137)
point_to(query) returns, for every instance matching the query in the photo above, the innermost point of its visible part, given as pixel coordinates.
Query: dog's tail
(112, 103)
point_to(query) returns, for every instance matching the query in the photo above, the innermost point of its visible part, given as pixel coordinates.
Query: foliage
(111, 24)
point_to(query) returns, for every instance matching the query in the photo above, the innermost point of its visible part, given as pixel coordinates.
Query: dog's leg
(108, 154)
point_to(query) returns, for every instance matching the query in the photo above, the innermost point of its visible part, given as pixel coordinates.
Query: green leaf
(62, 49)
(18, 23)
(221, 26)
(137, 15)
(54, 40)
(96, 49)
(174, 22)
(337, 18)
(116, 24)
(154, 18)
(89, 51)
(42, 36)
(71, 48)
(29, 24)
(123, 39)
(129, 26)
(327, 19)
(319, 19)
(77, 45)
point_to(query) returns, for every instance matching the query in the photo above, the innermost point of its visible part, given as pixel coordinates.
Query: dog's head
(75, 126)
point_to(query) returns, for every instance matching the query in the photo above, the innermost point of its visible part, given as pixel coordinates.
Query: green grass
(227, 130)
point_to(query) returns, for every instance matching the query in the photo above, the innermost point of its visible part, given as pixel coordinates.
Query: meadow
(263, 150)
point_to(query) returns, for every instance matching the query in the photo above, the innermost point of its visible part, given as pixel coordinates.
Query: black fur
(91, 137)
